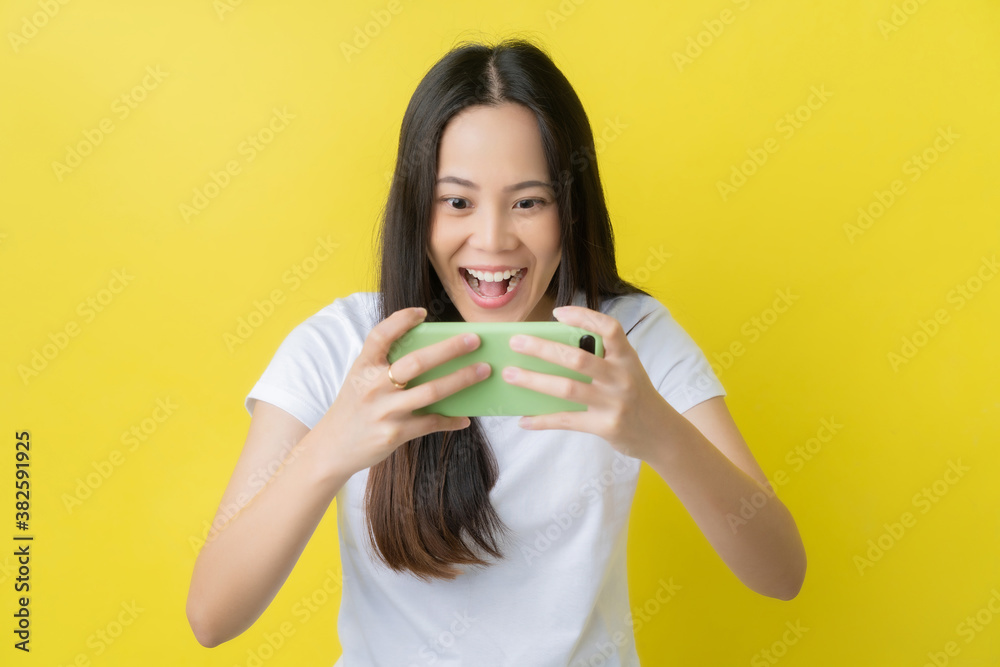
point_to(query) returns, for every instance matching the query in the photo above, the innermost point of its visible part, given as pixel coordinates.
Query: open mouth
(492, 285)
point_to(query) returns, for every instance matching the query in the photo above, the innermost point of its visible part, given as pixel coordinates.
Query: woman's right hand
(371, 417)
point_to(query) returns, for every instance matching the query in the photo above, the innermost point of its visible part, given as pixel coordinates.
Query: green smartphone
(494, 396)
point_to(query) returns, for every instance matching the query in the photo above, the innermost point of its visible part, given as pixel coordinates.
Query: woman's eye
(536, 202)
(456, 199)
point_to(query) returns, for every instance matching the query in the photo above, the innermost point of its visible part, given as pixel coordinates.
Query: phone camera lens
(587, 343)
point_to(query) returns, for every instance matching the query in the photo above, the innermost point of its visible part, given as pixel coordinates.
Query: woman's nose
(494, 232)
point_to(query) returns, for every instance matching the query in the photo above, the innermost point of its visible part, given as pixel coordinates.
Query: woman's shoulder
(632, 306)
(646, 320)
(356, 305)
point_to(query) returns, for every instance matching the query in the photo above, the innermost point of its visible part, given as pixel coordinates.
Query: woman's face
(495, 211)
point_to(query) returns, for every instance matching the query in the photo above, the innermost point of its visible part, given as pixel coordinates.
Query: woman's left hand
(623, 406)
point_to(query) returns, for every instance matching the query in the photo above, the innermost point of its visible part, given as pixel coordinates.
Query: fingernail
(422, 312)
(517, 342)
(469, 339)
(510, 373)
(482, 370)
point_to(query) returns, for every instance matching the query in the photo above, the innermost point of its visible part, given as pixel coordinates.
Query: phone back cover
(494, 396)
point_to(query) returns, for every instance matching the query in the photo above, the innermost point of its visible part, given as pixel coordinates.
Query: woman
(490, 540)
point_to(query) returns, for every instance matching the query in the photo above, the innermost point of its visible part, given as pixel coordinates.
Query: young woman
(490, 540)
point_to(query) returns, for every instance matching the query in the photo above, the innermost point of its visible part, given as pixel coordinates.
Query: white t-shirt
(560, 595)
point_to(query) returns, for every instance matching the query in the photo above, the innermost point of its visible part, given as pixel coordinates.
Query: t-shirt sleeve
(309, 367)
(677, 367)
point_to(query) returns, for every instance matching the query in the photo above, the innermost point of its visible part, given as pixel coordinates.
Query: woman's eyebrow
(510, 188)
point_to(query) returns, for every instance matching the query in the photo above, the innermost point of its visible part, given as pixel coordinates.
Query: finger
(420, 425)
(564, 355)
(419, 361)
(388, 331)
(566, 421)
(442, 387)
(553, 385)
(608, 327)
(432, 423)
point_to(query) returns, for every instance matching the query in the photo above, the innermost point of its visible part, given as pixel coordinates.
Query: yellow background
(684, 127)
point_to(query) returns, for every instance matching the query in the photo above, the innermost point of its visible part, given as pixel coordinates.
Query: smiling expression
(494, 216)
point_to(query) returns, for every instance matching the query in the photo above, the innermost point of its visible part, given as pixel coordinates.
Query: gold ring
(392, 379)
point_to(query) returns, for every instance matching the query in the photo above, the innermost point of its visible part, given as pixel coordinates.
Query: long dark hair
(427, 504)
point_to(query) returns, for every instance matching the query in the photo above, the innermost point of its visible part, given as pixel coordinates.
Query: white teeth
(513, 283)
(493, 276)
(473, 277)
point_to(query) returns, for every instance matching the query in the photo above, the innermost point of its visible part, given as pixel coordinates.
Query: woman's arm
(264, 530)
(700, 454)
(260, 532)
(708, 465)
